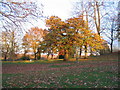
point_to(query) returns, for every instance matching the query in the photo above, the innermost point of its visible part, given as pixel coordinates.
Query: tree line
(66, 36)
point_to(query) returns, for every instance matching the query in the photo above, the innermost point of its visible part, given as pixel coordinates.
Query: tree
(65, 34)
(118, 21)
(34, 37)
(47, 45)
(77, 23)
(14, 13)
(111, 31)
(9, 45)
(97, 18)
(95, 13)
(5, 45)
(88, 39)
(92, 41)
(25, 45)
(57, 35)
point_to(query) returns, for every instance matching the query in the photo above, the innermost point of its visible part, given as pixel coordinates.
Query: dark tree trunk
(25, 53)
(52, 56)
(39, 53)
(5, 57)
(80, 52)
(48, 55)
(111, 46)
(35, 56)
(85, 51)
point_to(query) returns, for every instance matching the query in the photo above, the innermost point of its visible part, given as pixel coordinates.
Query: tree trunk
(76, 54)
(66, 55)
(25, 53)
(112, 38)
(48, 56)
(80, 52)
(111, 46)
(35, 56)
(97, 17)
(39, 54)
(52, 56)
(85, 52)
(5, 57)
(12, 55)
(98, 13)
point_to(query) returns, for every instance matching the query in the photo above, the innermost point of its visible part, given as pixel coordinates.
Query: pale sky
(61, 8)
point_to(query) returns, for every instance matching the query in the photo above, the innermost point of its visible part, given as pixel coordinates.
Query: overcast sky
(60, 8)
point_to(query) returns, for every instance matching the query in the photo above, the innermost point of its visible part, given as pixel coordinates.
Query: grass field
(60, 74)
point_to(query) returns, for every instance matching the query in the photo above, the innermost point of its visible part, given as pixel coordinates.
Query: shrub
(38, 57)
(61, 56)
(7, 60)
(25, 58)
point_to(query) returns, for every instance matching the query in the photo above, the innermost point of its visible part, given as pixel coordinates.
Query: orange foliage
(34, 37)
(77, 34)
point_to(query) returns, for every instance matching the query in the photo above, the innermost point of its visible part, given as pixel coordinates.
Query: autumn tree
(91, 40)
(34, 37)
(9, 45)
(58, 34)
(65, 34)
(48, 46)
(25, 45)
(85, 37)
(76, 24)
(5, 45)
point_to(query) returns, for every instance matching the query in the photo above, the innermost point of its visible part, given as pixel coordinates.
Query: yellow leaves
(33, 37)
(77, 33)
(92, 49)
(91, 39)
(75, 22)
(53, 21)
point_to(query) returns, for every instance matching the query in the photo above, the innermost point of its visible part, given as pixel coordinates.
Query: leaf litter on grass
(73, 77)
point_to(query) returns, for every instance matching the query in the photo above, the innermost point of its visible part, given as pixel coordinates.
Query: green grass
(105, 76)
(85, 77)
(36, 62)
(93, 77)
(89, 79)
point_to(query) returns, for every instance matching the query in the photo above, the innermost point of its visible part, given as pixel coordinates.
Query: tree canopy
(63, 35)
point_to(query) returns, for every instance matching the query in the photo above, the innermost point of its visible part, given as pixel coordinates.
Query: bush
(38, 57)
(7, 60)
(24, 58)
(61, 56)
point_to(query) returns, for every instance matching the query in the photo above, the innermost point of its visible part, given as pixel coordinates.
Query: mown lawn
(60, 74)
